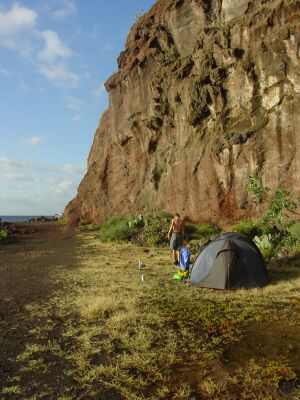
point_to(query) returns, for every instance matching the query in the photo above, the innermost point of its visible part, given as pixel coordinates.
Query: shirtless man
(175, 235)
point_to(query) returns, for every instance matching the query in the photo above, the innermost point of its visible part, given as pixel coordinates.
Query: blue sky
(55, 56)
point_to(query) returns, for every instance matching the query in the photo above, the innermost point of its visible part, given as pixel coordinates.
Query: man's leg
(178, 255)
(174, 256)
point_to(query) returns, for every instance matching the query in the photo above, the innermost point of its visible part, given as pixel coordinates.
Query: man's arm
(171, 229)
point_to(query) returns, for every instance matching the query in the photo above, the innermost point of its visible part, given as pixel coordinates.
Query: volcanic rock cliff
(206, 92)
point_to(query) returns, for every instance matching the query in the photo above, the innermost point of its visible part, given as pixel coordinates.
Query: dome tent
(231, 261)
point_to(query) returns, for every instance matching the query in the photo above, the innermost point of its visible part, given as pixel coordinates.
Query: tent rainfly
(232, 261)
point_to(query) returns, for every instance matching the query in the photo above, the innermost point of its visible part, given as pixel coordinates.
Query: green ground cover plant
(3, 237)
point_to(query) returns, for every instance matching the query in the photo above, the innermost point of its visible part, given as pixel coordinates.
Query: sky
(55, 56)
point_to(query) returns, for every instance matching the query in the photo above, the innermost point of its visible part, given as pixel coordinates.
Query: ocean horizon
(20, 218)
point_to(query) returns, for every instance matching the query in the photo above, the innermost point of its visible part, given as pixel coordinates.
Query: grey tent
(231, 261)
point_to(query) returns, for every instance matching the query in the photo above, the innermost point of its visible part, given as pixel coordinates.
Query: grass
(141, 337)
(158, 339)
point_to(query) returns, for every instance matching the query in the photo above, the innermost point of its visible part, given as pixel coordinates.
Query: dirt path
(27, 270)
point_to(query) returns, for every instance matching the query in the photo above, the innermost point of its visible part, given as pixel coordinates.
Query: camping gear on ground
(231, 261)
(185, 259)
(178, 277)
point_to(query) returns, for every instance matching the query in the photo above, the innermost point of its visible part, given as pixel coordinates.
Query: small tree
(256, 188)
(281, 203)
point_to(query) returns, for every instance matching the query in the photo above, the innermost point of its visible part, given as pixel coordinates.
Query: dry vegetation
(121, 338)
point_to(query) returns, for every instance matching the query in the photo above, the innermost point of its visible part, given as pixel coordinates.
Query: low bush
(150, 230)
(155, 240)
(199, 231)
(267, 245)
(3, 237)
(295, 230)
(88, 227)
(248, 227)
(116, 229)
(163, 215)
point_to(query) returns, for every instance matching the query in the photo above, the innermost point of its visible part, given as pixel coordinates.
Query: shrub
(247, 227)
(198, 231)
(256, 188)
(170, 56)
(3, 237)
(280, 203)
(138, 222)
(155, 240)
(266, 245)
(88, 227)
(116, 229)
(163, 215)
(295, 230)
(153, 122)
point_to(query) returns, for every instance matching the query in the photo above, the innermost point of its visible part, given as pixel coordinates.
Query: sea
(20, 218)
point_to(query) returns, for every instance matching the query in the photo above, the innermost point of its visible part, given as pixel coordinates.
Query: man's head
(176, 216)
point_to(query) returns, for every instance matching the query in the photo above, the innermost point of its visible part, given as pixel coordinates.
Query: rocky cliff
(206, 92)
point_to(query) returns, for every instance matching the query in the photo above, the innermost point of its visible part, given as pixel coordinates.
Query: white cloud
(66, 8)
(35, 140)
(64, 186)
(45, 49)
(28, 188)
(73, 103)
(12, 170)
(16, 20)
(60, 75)
(17, 29)
(8, 164)
(73, 169)
(54, 47)
(98, 92)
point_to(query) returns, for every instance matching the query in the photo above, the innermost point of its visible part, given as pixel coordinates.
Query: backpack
(185, 259)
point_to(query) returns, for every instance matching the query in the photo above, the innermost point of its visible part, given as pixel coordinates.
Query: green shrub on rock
(116, 229)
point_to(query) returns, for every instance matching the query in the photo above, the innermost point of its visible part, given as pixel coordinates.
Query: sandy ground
(26, 268)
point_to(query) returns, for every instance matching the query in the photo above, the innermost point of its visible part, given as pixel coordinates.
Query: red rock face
(206, 92)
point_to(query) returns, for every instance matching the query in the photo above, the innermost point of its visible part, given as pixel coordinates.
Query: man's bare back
(177, 225)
